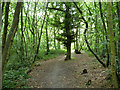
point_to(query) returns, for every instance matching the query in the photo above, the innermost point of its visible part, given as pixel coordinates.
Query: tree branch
(86, 23)
(88, 8)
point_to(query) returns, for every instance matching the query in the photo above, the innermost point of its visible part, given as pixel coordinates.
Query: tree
(47, 39)
(0, 18)
(67, 31)
(67, 37)
(110, 27)
(86, 23)
(0, 46)
(6, 25)
(118, 12)
(37, 50)
(10, 38)
(102, 17)
(22, 36)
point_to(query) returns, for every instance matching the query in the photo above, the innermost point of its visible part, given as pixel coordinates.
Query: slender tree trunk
(118, 12)
(110, 27)
(25, 21)
(0, 46)
(37, 51)
(86, 37)
(96, 32)
(54, 39)
(105, 33)
(80, 42)
(5, 26)
(118, 54)
(74, 42)
(0, 18)
(77, 39)
(3, 4)
(58, 41)
(11, 35)
(26, 31)
(47, 39)
(22, 37)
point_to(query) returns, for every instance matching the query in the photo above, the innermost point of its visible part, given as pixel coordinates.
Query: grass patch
(50, 55)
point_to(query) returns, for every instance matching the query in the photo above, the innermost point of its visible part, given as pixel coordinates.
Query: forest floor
(57, 73)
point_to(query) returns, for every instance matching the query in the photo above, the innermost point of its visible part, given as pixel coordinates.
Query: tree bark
(6, 25)
(3, 4)
(47, 39)
(76, 39)
(118, 53)
(96, 32)
(0, 19)
(86, 37)
(58, 45)
(105, 33)
(118, 12)
(11, 35)
(0, 46)
(54, 39)
(110, 27)
(68, 32)
(22, 37)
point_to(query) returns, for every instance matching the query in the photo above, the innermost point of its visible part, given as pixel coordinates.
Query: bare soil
(57, 73)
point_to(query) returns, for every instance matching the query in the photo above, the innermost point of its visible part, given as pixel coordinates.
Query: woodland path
(57, 73)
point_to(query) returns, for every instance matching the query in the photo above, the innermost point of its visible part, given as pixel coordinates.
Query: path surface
(57, 73)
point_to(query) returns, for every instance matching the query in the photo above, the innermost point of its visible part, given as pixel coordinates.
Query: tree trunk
(80, 42)
(96, 32)
(54, 39)
(68, 57)
(105, 33)
(6, 25)
(118, 53)
(47, 39)
(76, 39)
(0, 18)
(11, 35)
(26, 42)
(74, 42)
(68, 32)
(86, 37)
(3, 4)
(58, 41)
(37, 51)
(0, 46)
(118, 12)
(110, 27)
(22, 36)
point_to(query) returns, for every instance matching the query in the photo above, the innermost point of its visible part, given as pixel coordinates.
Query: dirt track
(57, 73)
